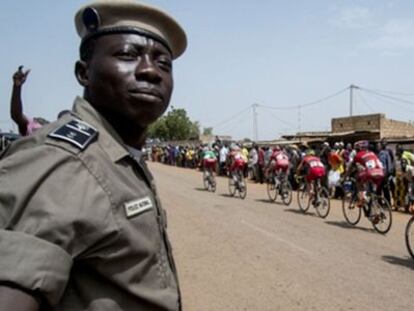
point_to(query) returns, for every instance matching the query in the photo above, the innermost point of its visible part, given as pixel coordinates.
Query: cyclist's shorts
(281, 168)
(315, 173)
(210, 163)
(237, 164)
(375, 175)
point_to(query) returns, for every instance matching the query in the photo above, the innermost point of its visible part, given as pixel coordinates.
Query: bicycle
(209, 180)
(376, 208)
(278, 184)
(409, 236)
(237, 182)
(313, 193)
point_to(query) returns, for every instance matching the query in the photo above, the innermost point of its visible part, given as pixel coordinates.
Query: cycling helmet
(361, 145)
(235, 148)
(310, 152)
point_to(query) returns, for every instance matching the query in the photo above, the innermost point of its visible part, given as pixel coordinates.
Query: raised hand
(19, 77)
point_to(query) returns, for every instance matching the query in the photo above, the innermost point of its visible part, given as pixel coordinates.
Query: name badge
(137, 207)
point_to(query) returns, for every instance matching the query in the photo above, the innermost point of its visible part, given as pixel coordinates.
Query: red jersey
(367, 160)
(369, 167)
(314, 167)
(280, 159)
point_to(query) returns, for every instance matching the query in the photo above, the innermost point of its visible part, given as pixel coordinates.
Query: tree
(208, 131)
(175, 125)
(158, 129)
(195, 131)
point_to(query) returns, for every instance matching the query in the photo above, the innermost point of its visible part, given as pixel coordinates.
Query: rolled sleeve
(34, 264)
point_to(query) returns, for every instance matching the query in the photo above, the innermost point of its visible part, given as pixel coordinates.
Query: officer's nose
(147, 70)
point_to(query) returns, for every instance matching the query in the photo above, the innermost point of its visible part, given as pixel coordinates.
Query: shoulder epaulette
(76, 132)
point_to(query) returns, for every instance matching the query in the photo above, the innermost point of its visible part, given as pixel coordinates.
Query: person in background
(223, 153)
(388, 167)
(253, 159)
(261, 164)
(25, 124)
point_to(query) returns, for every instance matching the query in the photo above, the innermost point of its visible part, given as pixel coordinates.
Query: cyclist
(237, 159)
(209, 159)
(368, 169)
(279, 161)
(312, 168)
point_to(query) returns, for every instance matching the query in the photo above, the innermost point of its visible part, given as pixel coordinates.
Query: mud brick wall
(357, 123)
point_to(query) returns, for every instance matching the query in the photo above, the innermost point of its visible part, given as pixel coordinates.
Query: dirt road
(250, 254)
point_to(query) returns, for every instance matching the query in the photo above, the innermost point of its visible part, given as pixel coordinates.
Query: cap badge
(91, 19)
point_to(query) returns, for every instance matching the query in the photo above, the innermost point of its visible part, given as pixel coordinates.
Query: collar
(108, 138)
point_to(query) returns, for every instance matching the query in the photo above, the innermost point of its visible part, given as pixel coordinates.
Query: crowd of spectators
(397, 163)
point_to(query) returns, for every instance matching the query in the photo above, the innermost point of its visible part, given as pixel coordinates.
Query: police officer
(81, 223)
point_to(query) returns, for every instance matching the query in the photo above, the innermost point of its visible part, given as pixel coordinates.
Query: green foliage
(208, 131)
(175, 125)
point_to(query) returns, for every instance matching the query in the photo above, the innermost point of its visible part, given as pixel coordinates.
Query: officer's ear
(81, 73)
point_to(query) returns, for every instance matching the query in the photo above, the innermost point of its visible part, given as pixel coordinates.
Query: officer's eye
(126, 55)
(165, 63)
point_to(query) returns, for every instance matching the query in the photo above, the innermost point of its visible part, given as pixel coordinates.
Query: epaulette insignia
(76, 132)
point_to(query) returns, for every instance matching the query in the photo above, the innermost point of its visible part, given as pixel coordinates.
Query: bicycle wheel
(232, 185)
(205, 179)
(409, 236)
(324, 205)
(212, 183)
(271, 189)
(242, 186)
(351, 211)
(381, 215)
(286, 193)
(303, 198)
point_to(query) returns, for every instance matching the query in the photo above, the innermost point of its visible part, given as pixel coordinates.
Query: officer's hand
(19, 76)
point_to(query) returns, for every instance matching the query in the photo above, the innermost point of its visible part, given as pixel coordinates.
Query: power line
(308, 104)
(230, 127)
(280, 120)
(387, 96)
(232, 117)
(365, 102)
(395, 93)
(383, 100)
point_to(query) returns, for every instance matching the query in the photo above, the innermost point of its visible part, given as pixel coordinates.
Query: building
(373, 127)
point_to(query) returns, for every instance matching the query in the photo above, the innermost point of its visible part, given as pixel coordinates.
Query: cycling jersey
(209, 159)
(237, 160)
(280, 161)
(209, 155)
(369, 167)
(314, 168)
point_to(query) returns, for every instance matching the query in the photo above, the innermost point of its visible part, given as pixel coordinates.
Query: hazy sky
(270, 52)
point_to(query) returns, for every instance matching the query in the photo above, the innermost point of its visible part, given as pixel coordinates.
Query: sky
(271, 53)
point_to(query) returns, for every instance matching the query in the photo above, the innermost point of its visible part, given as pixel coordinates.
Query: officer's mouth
(146, 94)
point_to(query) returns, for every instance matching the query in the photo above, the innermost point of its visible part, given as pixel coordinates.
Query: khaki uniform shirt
(83, 227)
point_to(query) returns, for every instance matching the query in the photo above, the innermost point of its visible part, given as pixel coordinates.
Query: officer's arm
(16, 299)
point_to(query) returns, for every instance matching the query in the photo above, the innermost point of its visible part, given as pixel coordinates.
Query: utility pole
(255, 126)
(299, 118)
(351, 98)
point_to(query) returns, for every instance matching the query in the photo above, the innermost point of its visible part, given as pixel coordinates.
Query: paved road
(250, 254)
